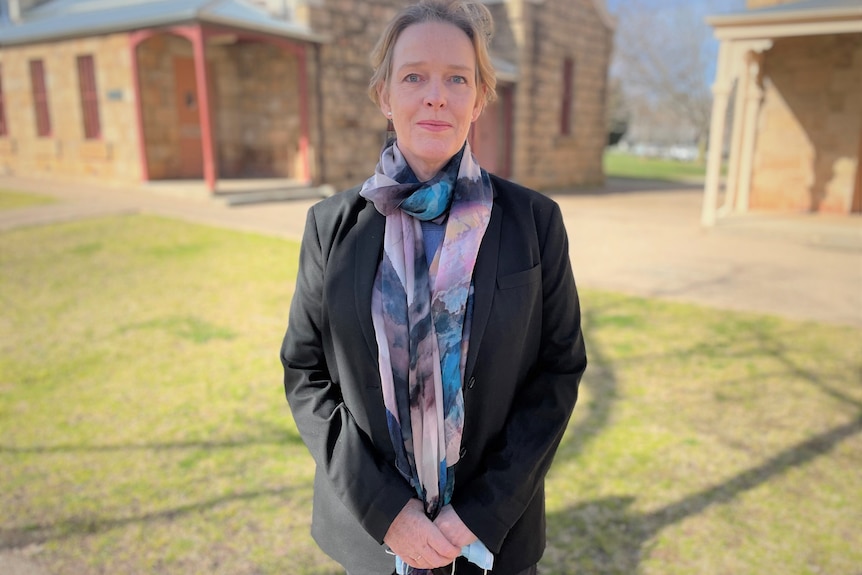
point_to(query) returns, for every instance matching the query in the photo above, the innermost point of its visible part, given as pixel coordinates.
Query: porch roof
(62, 19)
(805, 18)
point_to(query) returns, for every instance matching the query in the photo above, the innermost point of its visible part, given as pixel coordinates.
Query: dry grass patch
(10, 200)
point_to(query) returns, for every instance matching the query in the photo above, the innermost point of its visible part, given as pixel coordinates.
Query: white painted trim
(785, 14)
(788, 29)
(721, 93)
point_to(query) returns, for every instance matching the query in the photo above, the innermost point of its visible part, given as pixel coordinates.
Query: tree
(665, 57)
(617, 111)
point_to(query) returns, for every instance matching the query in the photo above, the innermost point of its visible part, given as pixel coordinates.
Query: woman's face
(431, 94)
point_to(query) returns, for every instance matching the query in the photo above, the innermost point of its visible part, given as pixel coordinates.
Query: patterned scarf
(421, 314)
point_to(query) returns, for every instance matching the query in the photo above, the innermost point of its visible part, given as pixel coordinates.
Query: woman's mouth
(434, 125)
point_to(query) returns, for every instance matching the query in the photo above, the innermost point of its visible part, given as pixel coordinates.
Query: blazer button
(471, 383)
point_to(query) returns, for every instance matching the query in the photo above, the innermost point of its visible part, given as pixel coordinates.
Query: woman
(434, 348)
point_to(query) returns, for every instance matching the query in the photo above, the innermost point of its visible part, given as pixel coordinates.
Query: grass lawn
(10, 200)
(623, 165)
(143, 427)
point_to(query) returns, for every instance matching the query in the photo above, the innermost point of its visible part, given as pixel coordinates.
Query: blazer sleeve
(514, 470)
(368, 486)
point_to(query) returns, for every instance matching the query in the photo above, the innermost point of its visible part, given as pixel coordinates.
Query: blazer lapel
(369, 245)
(484, 284)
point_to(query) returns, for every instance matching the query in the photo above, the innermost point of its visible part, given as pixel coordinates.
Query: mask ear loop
(484, 571)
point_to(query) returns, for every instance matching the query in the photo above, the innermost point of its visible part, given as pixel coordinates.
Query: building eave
(505, 70)
(791, 20)
(53, 27)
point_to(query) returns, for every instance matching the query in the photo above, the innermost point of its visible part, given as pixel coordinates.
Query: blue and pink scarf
(421, 314)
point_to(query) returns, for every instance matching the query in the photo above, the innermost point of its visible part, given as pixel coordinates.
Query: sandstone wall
(538, 37)
(810, 125)
(114, 157)
(551, 32)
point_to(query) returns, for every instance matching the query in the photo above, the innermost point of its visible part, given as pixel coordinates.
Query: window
(40, 98)
(89, 97)
(568, 97)
(4, 129)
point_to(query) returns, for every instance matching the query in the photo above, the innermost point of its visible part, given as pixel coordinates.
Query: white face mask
(478, 554)
(475, 553)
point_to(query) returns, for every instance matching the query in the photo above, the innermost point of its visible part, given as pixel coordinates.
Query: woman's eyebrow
(420, 63)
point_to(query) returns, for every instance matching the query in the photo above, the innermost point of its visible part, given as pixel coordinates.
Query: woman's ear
(480, 104)
(383, 99)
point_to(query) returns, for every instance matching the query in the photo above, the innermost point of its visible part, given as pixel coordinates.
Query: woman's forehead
(434, 42)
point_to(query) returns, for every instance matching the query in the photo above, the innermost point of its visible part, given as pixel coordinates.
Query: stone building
(131, 91)
(793, 71)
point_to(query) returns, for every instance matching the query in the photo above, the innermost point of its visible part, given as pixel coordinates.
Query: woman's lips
(434, 125)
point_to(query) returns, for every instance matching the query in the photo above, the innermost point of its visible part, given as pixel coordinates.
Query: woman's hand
(453, 528)
(418, 541)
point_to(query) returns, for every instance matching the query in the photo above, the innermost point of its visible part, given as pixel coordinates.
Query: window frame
(568, 97)
(89, 96)
(4, 126)
(40, 98)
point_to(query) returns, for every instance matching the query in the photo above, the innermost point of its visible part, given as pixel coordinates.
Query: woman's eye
(459, 79)
(412, 78)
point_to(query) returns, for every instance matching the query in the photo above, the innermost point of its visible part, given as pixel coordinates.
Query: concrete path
(650, 243)
(639, 238)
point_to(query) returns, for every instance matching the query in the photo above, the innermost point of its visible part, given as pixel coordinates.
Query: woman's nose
(435, 97)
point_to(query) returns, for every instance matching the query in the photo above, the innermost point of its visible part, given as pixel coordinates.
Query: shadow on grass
(286, 439)
(37, 533)
(603, 387)
(72, 527)
(605, 536)
(267, 434)
(612, 537)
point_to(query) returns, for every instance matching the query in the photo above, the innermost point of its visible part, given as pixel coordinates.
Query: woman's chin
(430, 157)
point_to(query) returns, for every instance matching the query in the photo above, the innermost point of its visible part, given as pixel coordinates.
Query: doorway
(191, 160)
(856, 206)
(491, 135)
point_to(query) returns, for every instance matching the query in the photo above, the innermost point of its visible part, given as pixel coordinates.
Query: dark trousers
(448, 570)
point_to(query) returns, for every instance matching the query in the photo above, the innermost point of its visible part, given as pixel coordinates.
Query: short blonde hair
(472, 17)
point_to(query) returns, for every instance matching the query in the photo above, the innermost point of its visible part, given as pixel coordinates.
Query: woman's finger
(440, 545)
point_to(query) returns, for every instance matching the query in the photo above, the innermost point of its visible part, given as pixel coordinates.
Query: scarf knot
(394, 186)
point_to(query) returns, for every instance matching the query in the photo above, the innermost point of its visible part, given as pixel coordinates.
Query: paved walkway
(640, 238)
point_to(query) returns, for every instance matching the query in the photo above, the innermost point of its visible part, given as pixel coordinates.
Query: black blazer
(525, 362)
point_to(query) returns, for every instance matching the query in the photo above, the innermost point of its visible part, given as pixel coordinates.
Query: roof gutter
(28, 31)
(37, 38)
(786, 23)
(785, 17)
(293, 34)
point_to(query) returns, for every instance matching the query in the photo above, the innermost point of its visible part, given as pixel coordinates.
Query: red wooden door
(856, 206)
(485, 138)
(491, 135)
(188, 119)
